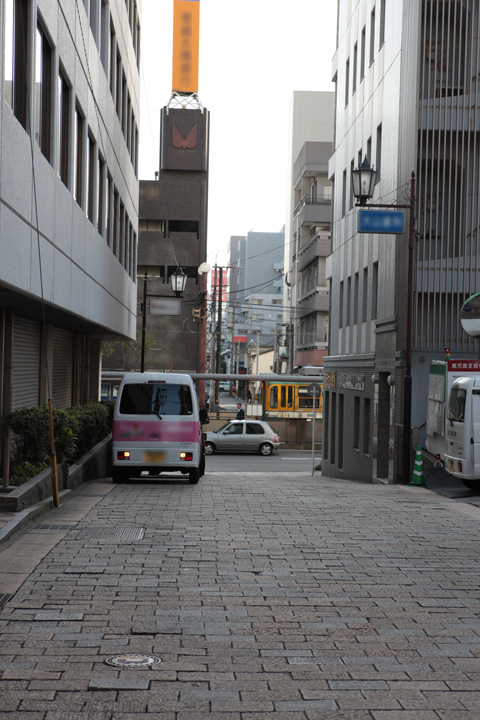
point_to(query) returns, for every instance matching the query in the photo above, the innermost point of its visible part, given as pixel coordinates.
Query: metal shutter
(62, 368)
(26, 363)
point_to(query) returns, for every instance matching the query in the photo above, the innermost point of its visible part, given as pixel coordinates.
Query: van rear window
(157, 398)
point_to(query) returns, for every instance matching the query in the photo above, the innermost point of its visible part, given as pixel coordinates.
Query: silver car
(243, 436)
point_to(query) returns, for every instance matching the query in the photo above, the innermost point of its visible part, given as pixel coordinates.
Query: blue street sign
(381, 221)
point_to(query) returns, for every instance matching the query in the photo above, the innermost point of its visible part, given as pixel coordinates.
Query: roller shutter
(62, 368)
(26, 363)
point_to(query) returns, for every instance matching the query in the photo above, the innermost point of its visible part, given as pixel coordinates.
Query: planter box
(95, 465)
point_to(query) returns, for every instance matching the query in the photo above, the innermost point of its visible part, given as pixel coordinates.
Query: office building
(406, 78)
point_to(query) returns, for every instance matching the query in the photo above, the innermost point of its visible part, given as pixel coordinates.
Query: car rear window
(158, 398)
(255, 429)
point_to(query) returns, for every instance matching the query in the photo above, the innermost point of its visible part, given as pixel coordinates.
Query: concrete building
(172, 234)
(255, 294)
(307, 227)
(405, 73)
(309, 249)
(69, 117)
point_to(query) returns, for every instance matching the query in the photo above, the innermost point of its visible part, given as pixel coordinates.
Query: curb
(25, 517)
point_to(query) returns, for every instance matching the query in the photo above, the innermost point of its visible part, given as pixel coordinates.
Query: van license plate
(154, 457)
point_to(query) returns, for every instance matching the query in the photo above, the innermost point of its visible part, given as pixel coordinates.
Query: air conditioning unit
(283, 353)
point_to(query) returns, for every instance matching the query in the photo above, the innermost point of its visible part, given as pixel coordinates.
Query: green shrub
(76, 431)
(90, 424)
(31, 432)
(21, 473)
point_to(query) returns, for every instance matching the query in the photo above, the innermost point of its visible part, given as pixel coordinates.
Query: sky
(253, 55)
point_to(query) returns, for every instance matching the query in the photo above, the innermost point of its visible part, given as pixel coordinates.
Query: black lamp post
(363, 180)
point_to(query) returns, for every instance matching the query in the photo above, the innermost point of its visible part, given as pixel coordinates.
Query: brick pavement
(288, 596)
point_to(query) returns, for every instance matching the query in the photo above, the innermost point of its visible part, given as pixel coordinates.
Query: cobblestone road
(288, 596)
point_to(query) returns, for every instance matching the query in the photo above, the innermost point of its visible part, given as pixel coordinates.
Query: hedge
(76, 430)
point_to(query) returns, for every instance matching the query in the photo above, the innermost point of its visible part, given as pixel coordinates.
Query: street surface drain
(132, 661)
(111, 533)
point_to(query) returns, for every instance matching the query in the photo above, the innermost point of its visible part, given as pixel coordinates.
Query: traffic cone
(417, 478)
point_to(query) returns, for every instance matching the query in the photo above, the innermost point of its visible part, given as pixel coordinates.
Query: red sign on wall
(239, 338)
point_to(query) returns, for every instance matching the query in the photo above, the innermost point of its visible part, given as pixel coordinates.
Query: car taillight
(124, 455)
(277, 438)
(186, 456)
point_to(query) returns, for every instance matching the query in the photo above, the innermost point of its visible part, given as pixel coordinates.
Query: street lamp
(363, 181)
(178, 280)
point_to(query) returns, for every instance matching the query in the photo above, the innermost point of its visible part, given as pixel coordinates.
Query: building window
(63, 127)
(366, 426)
(90, 176)
(340, 431)
(104, 36)
(344, 192)
(116, 224)
(354, 77)
(355, 300)
(78, 155)
(356, 423)
(374, 290)
(101, 194)
(113, 62)
(123, 122)
(340, 307)
(347, 81)
(16, 57)
(369, 151)
(382, 24)
(351, 198)
(372, 35)
(333, 425)
(118, 94)
(94, 19)
(109, 208)
(274, 396)
(43, 93)
(134, 260)
(362, 53)
(349, 300)
(365, 294)
(378, 156)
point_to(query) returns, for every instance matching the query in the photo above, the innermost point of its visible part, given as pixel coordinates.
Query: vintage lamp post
(363, 180)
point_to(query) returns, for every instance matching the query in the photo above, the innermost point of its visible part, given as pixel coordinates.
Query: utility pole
(219, 333)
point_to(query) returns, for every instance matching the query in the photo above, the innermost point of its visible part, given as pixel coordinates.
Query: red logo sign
(184, 143)
(470, 365)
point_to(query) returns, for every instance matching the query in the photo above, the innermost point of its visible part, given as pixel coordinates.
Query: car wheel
(266, 449)
(209, 448)
(194, 476)
(472, 484)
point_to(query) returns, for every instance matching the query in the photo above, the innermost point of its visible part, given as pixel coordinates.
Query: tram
(285, 400)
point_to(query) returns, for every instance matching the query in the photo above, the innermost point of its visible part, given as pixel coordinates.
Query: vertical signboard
(215, 279)
(186, 27)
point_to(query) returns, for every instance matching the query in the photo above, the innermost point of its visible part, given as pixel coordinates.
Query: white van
(462, 451)
(157, 427)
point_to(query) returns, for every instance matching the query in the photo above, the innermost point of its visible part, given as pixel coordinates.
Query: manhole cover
(132, 660)
(111, 533)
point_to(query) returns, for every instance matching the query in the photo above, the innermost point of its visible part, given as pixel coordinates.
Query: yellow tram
(291, 400)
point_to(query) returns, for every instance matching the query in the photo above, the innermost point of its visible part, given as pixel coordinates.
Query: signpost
(314, 391)
(381, 221)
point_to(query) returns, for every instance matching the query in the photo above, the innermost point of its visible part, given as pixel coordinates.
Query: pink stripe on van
(160, 431)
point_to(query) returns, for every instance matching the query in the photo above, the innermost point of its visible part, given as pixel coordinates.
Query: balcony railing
(310, 200)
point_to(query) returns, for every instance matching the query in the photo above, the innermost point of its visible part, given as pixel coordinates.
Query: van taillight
(123, 455)
(460, 467)
(186, 456)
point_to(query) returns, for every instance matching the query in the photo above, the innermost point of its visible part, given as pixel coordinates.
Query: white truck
(462, 446)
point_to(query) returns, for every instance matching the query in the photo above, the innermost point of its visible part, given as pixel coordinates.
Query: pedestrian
(249, 396)
(240, 412)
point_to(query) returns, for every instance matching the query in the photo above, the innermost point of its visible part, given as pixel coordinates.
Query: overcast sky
(253, 55)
